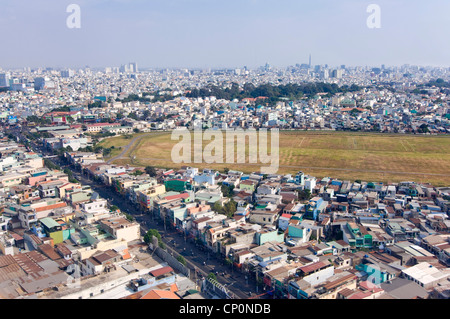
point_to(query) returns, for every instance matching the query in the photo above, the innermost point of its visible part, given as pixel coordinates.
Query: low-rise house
(120, 228)
(426, 275)
(332, 287)
(146, 197)
(402, 230)
(356, 236)
(264, 217)
(103, 261)
(268, 235)
(402, 288)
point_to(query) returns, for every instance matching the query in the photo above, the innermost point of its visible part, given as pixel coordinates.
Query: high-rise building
(4, 80)
(133, 67)
(337, 73)
(129, 68)
(124, 68)
(324, 74)
(67, 73)
(41, 83)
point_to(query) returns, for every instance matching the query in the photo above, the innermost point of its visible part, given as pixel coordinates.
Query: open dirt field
(344, 155)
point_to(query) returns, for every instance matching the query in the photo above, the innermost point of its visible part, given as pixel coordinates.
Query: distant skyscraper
(124, 68)
(337, 73)
(67, 73)
(4, 80)
(133, 67)
(310, 61)
(42, 83)
(324, 74)
(39, 83)
(129, 68)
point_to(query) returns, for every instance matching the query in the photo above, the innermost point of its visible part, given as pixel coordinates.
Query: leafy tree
(227, 190)
(212, 276)
(98, 149)
(423, 128)
(133, 116)
(217, 207)
(149, 235)
(129, 217)
(106, 152)
(70, 175)
(96, 104)
(145, 114)
(230, 208)
(86, 149)
(150, 170)
(49, 164)
(304, 194)
(181, 260)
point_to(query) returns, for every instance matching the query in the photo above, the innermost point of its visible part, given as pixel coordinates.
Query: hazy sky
(226, 33)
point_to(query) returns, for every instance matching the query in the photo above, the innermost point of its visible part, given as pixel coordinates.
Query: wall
(263, 238)
(320, 276)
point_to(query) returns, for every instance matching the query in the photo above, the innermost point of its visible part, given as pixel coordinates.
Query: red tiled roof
(160, 294)
(161, 271)
(49, 207)
(313, 267)
(182, 195)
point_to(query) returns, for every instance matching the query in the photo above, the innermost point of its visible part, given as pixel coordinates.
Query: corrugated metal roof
(313, 267)
(161, 271)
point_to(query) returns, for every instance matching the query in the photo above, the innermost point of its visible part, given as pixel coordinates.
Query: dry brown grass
(352, 156)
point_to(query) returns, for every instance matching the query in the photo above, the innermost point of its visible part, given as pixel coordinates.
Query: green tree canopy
(212, 276)
(181, 260)
(149, 235)
(150, 170)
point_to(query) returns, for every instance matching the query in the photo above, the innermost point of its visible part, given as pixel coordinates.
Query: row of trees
(291, 91)
(438, 83)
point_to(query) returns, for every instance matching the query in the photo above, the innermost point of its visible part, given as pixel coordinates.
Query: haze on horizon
(231, 33)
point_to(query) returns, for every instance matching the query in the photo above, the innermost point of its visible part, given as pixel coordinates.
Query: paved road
(126, 148)
(198, 259)
(133, 143)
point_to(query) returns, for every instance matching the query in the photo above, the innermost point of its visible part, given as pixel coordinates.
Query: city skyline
(213, 34)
